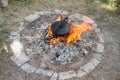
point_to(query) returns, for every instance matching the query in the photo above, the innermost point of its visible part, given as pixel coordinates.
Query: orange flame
(75, 32)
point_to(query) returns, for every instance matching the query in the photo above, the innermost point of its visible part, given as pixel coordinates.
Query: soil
(109, 67)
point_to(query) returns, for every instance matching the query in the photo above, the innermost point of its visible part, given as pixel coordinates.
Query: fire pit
(53, 43)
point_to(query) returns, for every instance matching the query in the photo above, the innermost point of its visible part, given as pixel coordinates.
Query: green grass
(4, 31)
(18, 9)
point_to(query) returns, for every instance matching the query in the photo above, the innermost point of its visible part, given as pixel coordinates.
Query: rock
(54, 76)
(101, 40)
(100, 48)
(48, 13)
(78, 16)
(97, 30)
(17, 47)
(31, 18)
(28, 68)
(84, 52)
(97, 56)
(15, 35)
(40, 13)
(23, 57)
(65, 12)
(66, 75)
(21, 27)
(81, 73)
(90, 66)
(45, 72)
(4, 3)
(57, 11)
(18, 61)
(94, 25)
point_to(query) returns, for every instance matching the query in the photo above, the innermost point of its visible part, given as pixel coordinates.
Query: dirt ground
(108, 22)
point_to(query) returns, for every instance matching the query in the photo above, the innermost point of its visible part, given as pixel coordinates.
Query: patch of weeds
(4, 31)
(70, 10)
(1, 57)
(91, 10)
(105, 1)
(89, 1)
(28, 1)
(100, 17)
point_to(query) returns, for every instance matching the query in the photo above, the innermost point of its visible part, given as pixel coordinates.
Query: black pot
(60, 27)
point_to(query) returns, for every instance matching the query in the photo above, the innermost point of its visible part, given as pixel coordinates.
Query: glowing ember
(75, 31)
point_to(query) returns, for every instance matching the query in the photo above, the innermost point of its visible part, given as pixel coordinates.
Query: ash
(33, 35)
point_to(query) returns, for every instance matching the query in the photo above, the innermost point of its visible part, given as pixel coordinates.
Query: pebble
(85, 52)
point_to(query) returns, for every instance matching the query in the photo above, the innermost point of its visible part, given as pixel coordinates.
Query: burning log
(64, 30)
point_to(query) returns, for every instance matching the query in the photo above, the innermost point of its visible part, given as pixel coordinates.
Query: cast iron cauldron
(60, 27)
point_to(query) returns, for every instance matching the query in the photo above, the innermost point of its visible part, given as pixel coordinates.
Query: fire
(75, 32)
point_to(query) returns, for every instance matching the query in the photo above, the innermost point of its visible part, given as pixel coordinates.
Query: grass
(4, 31)
(18, 9)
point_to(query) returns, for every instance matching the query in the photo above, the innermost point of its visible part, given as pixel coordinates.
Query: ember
(64, 30)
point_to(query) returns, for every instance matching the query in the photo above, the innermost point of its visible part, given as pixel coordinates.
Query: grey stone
(17, 61)
(48, 13)
(45, 72)
(28, 68)
(84, 18)
(23, 57)
(97, 30)
(22, 26)
(40, 13)
(4, 3)
(67, 75)
(90, 66)
(100, 47)
(94, 25)
(97, 56)
(85, 52)
(15, 35)
(57, 11)
(17, 48)
(65, 12)
(81, 73)
(101, 40)
(54, 76)
(31, 18)
(78, 16)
